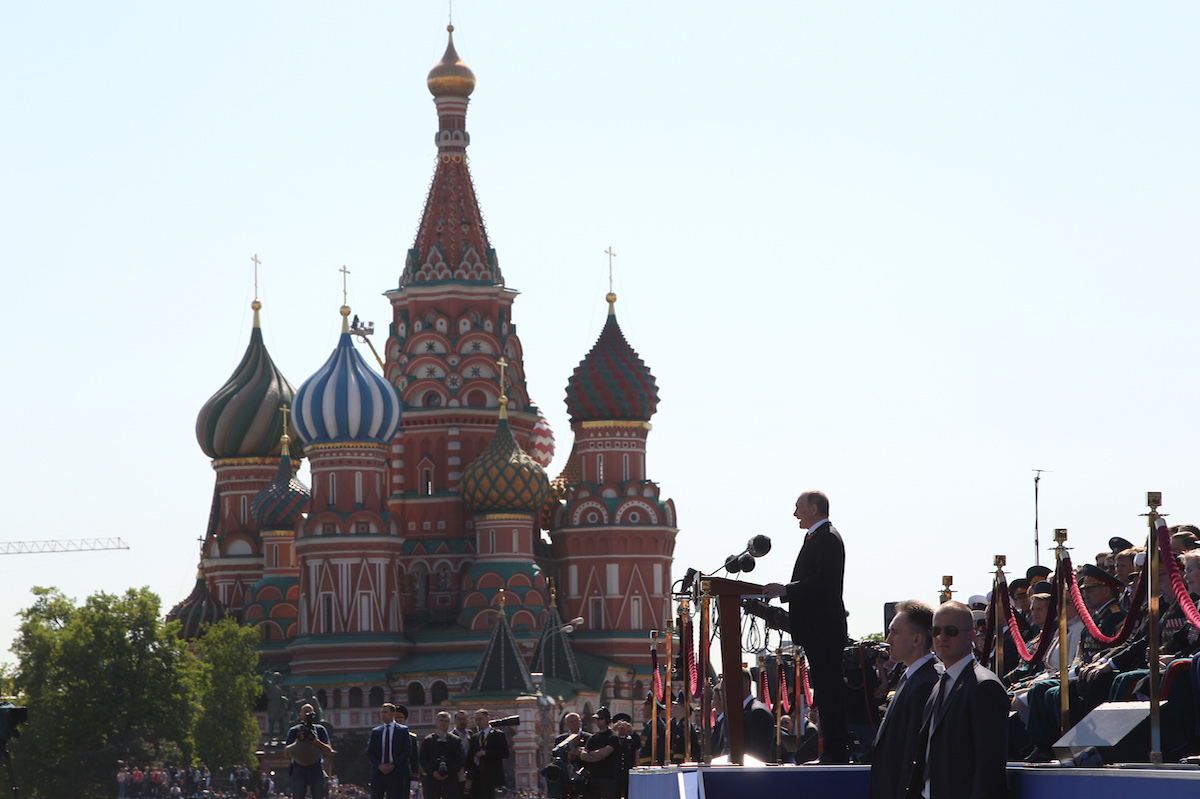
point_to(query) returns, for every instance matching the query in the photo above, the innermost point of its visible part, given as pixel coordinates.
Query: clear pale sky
(906, 253)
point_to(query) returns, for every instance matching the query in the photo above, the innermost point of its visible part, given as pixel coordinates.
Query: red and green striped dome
(612, 382)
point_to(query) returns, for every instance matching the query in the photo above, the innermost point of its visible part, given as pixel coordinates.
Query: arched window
(426, 482)
(433, 400)
(245, 510)
(356, 697)
(476, 399)
(321, 698)
(358, 490)
(332, 489)
(416, 694)
(440, 692)
(376, 696)
(337, 697)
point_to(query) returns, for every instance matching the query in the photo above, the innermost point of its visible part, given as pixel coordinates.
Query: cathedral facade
(432, 561)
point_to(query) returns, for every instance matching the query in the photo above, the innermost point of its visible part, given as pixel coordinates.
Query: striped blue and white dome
(346, 401)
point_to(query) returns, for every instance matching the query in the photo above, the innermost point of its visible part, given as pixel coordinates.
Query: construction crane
(67, 545)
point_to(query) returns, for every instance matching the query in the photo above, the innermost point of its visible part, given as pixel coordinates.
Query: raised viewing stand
(853, 782)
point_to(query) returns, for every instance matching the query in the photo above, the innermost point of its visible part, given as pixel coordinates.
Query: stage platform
(852, 782)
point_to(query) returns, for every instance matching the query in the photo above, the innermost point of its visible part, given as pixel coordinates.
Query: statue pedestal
(273, 757)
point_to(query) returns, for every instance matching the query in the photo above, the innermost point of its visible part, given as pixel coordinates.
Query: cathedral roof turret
(200, 609)
(611, 382)
(243, 419)
(346, 400)
(452, 242)
(503, 669)
(504, 478)
(282, 499)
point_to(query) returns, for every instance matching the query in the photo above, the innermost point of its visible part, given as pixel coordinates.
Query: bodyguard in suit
(389, 750)
(964, 736)
(818, 617)
(758, 724)
(895, 747)
(486, 753)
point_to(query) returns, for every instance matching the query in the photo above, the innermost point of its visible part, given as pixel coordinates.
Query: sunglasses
(950, 630)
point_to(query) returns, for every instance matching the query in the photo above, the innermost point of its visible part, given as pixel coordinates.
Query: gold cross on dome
(502, 363)
(285, 410)
(256, 263)
(345, 273)
(609, 252)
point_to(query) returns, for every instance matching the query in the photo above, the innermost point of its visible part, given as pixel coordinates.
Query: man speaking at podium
(818, 618)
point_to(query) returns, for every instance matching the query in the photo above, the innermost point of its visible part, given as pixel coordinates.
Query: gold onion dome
(450, 77)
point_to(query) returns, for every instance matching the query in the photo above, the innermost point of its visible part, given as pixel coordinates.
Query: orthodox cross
(502, 363)
(256, 263)
(285, 409)
(345, 272)
(609, 252)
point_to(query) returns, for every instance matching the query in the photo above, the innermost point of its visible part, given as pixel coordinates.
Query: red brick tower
(240, 428)
(614, 537)
(452, 321)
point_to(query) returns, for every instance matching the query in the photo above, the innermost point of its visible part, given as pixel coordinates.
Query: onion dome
(541, 441)
(281, 500)
(346, 400)
(243, 420)
(450, 76)
(571, 475)
(199, 610)
(611, 382)
(503, 478)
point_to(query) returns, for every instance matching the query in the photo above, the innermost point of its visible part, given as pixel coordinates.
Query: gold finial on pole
(256, 263)
(501, 600)
(1153, 501)
(999, 585)
(1061, 582)
(668, 685)
(946, 593)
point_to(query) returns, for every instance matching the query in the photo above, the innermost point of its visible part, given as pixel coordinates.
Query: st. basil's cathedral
(433, 562)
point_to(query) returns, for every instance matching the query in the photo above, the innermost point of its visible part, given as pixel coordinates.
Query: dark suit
(433, 752)
(759, 725)
(895, 747)
(818, 623)
(968, 741)
(395, 784)
(487, 752)
(719, 743)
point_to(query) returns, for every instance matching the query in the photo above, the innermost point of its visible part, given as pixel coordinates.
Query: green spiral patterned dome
(504, 478)
(243, 419)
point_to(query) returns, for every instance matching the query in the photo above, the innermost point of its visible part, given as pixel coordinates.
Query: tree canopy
(109, 681)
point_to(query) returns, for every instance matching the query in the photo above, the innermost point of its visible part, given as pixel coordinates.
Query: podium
(728, 594)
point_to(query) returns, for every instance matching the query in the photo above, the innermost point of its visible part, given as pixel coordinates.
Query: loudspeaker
(1120, 731)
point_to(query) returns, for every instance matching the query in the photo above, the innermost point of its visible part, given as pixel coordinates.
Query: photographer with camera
(563, 780)
(306, 744)
(442, 758)
(389, 750)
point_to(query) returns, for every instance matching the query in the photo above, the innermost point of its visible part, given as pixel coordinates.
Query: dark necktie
(937, 708)
(387, 744)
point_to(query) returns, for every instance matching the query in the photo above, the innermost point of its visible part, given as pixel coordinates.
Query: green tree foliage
(227, 733)
(105, 682)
